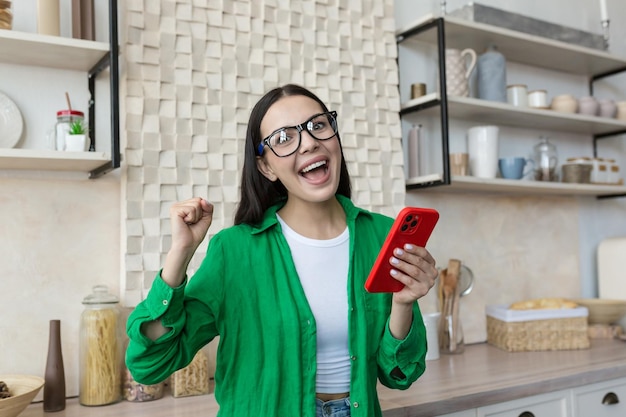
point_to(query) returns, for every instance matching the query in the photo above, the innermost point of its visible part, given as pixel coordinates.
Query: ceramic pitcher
(459, 66)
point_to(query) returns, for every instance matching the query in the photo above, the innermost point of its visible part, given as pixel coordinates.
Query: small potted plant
(76, 140)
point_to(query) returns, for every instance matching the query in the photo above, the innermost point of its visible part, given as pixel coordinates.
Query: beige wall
(192, 74)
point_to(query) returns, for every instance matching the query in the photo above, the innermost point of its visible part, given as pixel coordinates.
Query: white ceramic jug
(458, 70)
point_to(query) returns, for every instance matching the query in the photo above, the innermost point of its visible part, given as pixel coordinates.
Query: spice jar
(65, 118)
(101, 354)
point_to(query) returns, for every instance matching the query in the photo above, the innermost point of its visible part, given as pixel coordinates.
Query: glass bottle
(546, 160)
(101, 350)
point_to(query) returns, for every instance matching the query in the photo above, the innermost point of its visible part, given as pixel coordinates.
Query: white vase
(76, 143)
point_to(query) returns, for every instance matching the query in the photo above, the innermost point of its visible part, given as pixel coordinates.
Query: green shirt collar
(269, 219)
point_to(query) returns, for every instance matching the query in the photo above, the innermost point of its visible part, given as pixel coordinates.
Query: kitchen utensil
(101, 349)
(413, 147)
(608, 108)
(23, 389)
(565, 103)
(458, 70)
(621, 110)
(459, 163)
(48, 17)
(545, 160)
(576, 172)
(482, 146)
(11, 123)
(6, 16)
(491, 75)
(418, 90)
(431, 322)
(517, 95)
(538, 99)
(603, 311)
(513, 167)
(450, 330)
(611, 282)
(588, 105)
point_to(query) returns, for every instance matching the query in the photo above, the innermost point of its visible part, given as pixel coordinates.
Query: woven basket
(550, 334)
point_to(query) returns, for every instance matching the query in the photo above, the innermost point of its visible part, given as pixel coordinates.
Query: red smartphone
(412, 225)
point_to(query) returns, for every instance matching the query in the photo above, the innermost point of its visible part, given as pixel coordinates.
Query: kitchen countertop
(481, 375)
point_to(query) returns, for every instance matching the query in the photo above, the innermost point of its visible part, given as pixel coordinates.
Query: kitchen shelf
(491, 112)
(504, 186)
(47, 160)
(516, 46)
(24, 48)
(89, 57)
(452, 32)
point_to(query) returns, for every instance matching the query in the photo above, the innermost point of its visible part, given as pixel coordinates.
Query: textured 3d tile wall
(195, 69)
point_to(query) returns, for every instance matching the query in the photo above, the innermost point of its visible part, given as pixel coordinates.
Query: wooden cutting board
(611, 268)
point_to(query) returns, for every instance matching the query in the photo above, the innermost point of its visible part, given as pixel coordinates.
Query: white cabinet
(602, 399)
(466, 413)
(521, 48)
(606, 399)
(554, 404)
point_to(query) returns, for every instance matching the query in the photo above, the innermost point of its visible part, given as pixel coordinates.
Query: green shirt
(247, 291)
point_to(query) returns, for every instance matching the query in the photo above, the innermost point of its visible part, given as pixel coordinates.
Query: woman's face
(312, 172)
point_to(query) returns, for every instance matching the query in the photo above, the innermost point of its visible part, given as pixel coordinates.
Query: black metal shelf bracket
(111, 61)
(439, 25)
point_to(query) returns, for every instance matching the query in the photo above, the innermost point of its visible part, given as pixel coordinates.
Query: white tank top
(322, 266)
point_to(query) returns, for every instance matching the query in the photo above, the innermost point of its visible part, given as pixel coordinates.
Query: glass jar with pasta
(101, 351)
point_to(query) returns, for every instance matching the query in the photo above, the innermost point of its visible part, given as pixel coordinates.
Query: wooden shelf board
(504, 186)
(50, 51)
(491, 112)
(43, 160)
(519, 47)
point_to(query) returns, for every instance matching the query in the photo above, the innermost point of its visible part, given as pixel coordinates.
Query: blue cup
(513, 168)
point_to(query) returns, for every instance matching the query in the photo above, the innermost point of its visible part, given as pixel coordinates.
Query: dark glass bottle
(54, 388)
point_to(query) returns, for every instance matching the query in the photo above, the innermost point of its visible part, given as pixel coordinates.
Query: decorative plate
(11, 123)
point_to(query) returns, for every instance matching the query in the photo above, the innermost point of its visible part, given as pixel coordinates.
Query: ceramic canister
(492, 75)
(482, 146)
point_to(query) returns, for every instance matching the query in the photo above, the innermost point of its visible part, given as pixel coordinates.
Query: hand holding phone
(412, 225)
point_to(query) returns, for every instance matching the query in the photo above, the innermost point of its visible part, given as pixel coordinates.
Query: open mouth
(315, 170)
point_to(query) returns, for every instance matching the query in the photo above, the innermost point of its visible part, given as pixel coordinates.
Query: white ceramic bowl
(23, 389)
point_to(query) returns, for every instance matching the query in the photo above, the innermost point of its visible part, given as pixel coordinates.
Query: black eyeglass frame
(299, 128)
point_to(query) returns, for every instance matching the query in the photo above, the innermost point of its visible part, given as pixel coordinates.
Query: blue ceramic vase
(491, 74)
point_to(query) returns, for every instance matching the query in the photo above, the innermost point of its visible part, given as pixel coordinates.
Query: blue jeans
(333, 408)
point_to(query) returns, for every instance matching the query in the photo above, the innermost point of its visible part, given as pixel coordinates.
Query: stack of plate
(6, 17)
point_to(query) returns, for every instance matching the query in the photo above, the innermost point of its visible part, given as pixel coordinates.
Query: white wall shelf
(89, 57)
(520, 187)
(50, 51)
(517, 46)
(451, 32)
(492, 112)
(45, 160)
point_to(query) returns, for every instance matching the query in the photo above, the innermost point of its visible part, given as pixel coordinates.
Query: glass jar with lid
(65, 118)
(101, 349)
(546, 160)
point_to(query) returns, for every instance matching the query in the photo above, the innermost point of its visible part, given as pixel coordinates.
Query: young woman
(283, 288)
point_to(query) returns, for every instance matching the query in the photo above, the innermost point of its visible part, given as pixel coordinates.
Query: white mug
(517, 95)
(431, 321)
(482, 146)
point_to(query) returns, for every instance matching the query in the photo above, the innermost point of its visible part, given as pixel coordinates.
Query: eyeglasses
(286, 140)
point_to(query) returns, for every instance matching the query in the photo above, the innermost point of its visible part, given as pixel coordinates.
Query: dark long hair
(257, 192)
